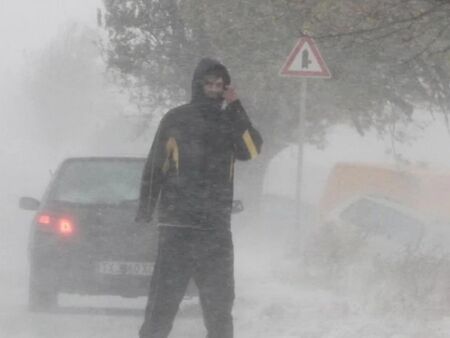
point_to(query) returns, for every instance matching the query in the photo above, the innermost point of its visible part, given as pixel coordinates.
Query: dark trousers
(205, 256)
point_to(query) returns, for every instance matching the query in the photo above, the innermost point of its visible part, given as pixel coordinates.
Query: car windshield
(387, 221)
(111, 181)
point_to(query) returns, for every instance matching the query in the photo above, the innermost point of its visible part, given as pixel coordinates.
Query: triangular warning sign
(305, 61)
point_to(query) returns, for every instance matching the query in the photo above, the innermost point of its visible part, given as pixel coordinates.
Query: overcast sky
(28, 25)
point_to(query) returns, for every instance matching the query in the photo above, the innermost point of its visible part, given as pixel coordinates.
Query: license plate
(125, 268)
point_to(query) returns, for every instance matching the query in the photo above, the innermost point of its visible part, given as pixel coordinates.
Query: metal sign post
(304, 61)
(301, 142)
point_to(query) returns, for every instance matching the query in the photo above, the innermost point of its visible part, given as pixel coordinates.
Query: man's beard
(217, 99)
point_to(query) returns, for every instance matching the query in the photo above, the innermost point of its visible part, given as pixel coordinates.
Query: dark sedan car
(83, 236)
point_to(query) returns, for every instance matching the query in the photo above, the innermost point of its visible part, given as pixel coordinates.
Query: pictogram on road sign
(305, 61)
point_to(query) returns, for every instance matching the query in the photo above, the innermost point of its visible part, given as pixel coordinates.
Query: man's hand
(230, 95)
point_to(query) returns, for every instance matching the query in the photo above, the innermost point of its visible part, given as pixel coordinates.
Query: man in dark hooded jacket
(188, 178)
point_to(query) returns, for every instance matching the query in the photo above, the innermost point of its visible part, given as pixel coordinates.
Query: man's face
(213, 87)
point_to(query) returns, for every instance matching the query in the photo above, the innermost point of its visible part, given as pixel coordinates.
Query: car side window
(361, 213)
(378, 219)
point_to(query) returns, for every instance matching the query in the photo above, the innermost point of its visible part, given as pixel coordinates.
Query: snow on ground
(274, 299)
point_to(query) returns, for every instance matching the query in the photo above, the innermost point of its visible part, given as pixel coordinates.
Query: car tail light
(61, 225)
(44, 219)
(65, 227)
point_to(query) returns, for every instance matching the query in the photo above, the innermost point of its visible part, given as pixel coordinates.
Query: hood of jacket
(205, 66)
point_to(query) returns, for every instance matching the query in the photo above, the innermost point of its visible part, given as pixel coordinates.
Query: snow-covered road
(272, 301)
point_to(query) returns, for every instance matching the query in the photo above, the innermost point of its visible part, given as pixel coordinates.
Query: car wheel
(43, 291)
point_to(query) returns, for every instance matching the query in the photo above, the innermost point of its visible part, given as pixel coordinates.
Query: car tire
(43, 291)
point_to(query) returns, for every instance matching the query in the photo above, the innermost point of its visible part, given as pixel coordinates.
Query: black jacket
(189, 172)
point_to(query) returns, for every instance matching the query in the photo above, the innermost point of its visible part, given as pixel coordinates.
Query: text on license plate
(125, 268)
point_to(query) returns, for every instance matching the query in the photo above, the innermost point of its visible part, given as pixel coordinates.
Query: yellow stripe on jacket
(172, 154)
(250, 144)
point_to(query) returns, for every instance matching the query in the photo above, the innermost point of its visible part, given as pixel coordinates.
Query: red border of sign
(324, 73)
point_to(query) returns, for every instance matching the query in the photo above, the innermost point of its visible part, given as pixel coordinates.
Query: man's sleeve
(152, 177)
(247, 140)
